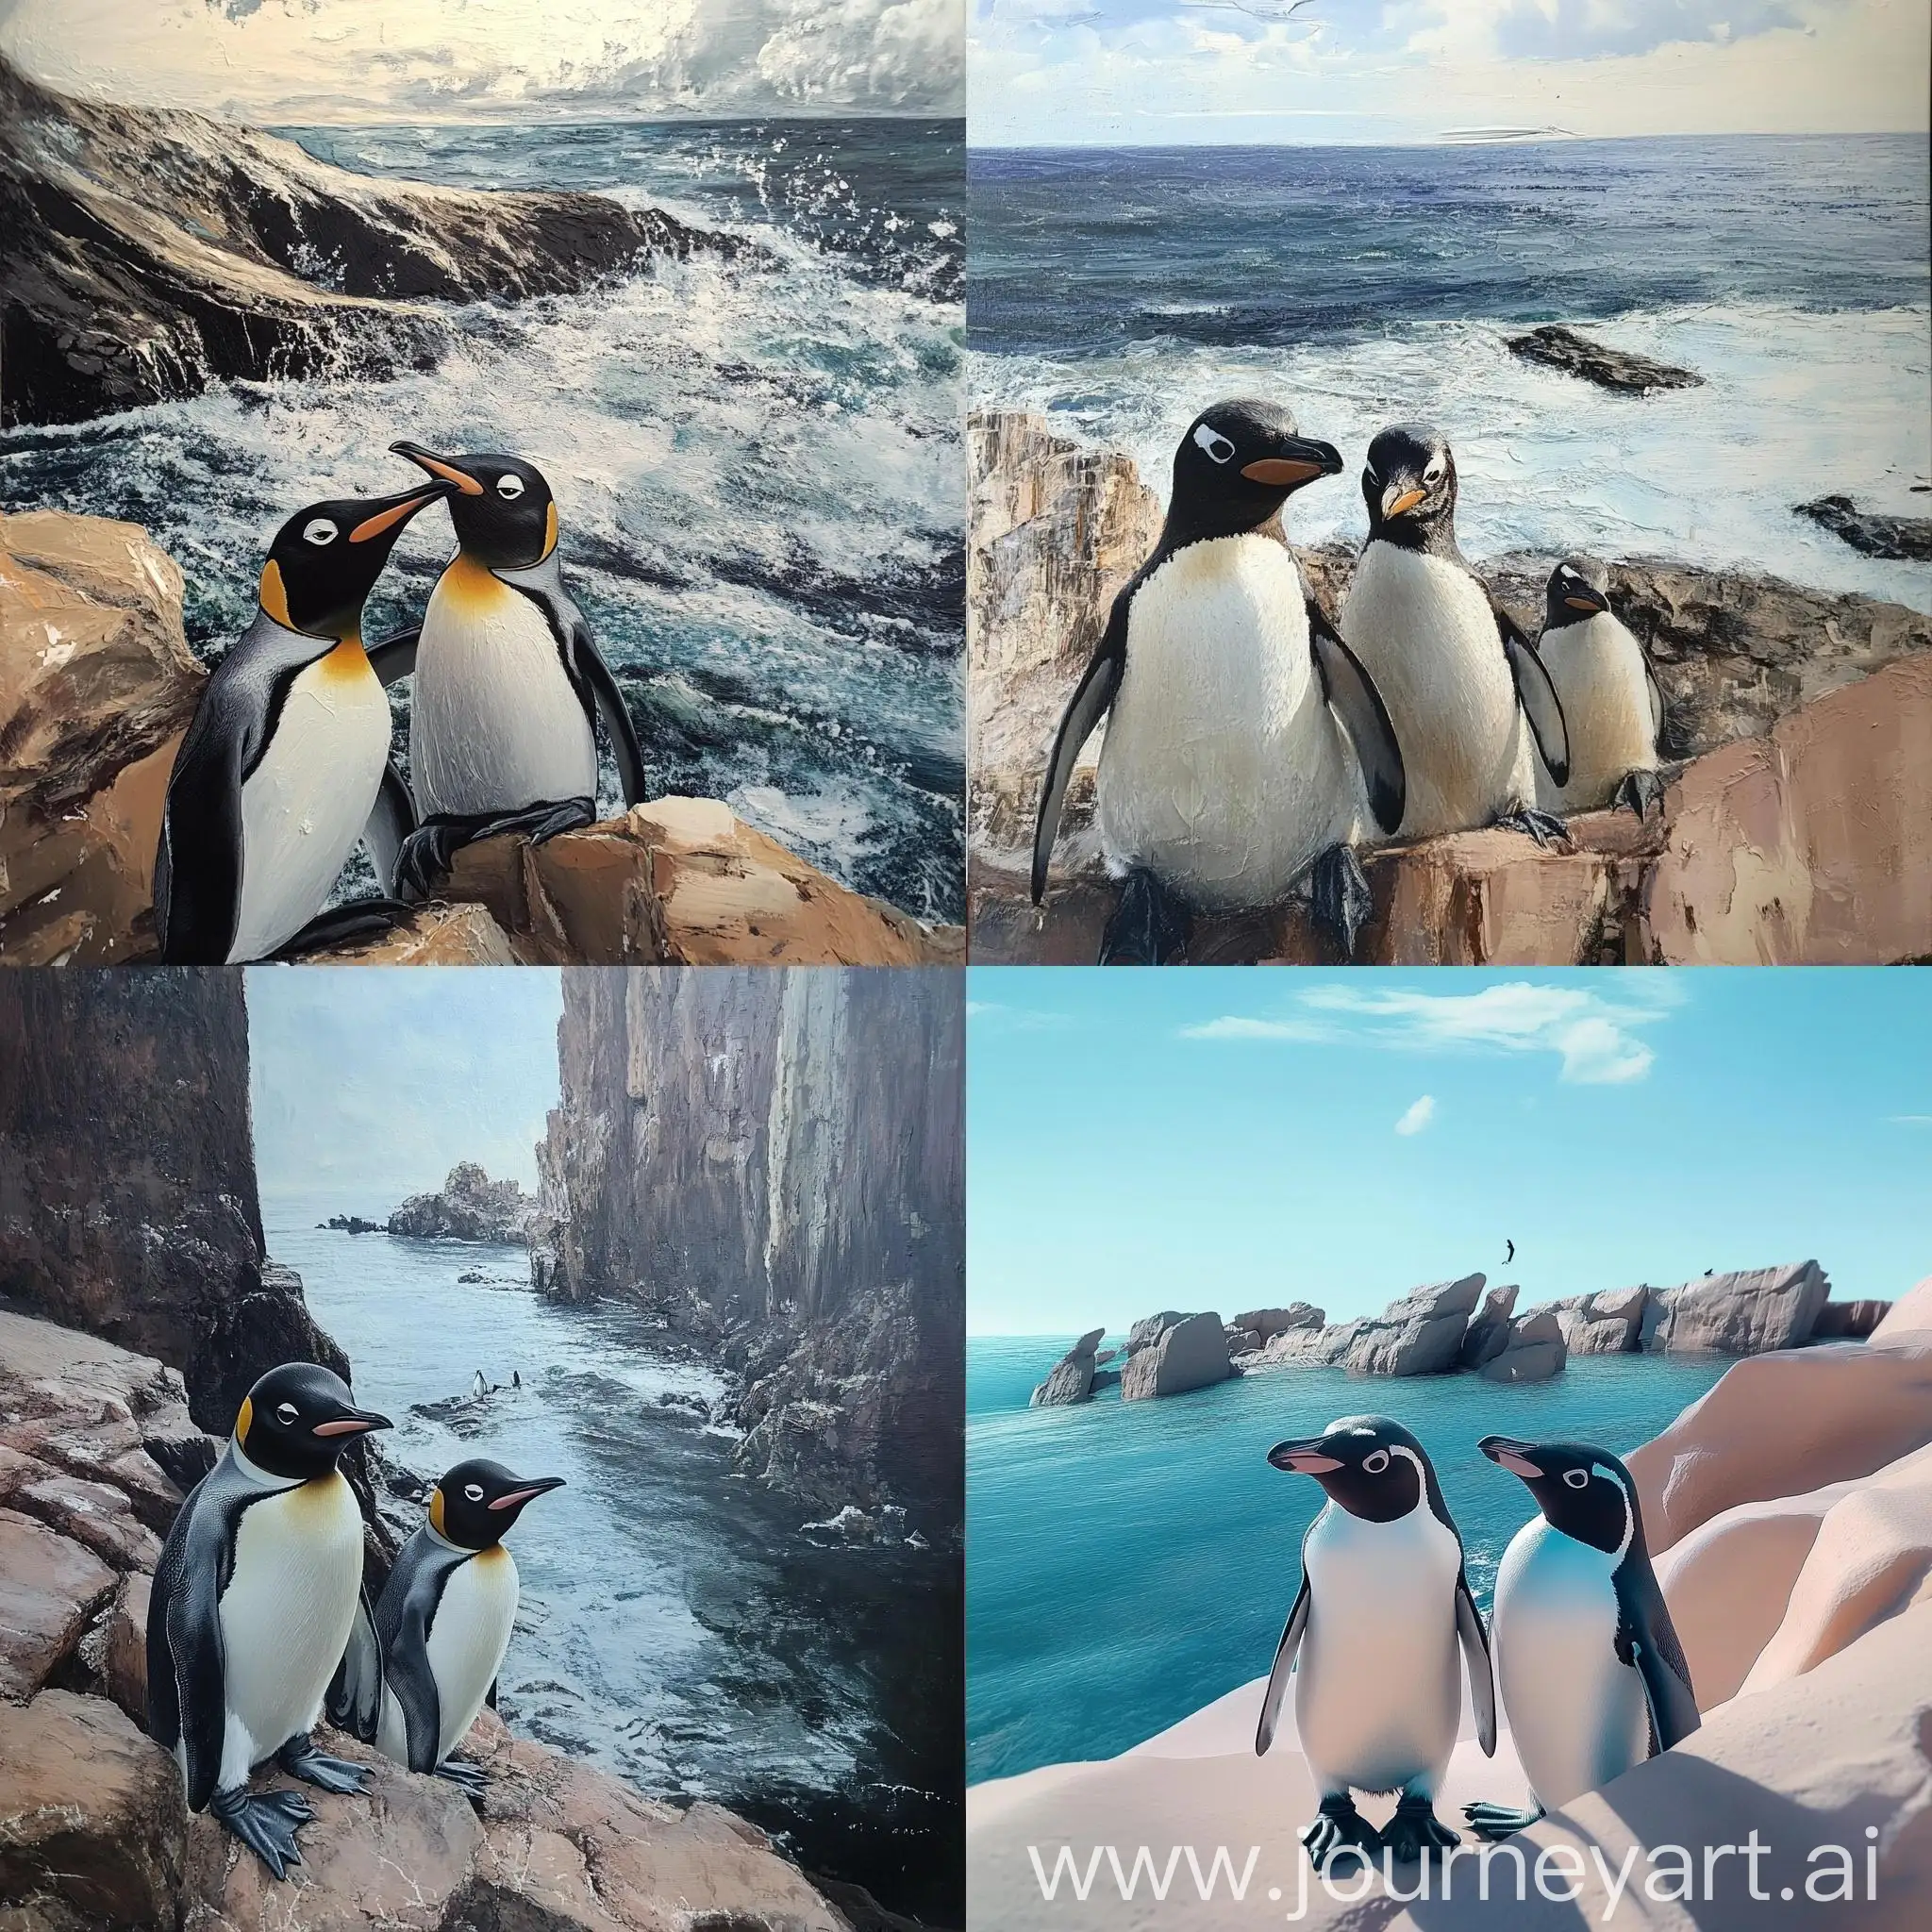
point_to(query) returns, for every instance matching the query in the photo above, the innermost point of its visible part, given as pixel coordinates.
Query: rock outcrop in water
(1072, 1378)
(1171, 1353)
(1797, 827)
(1870, 531)
(151, 252)
(469, 1206)
(1556, 346)
(774, 1162)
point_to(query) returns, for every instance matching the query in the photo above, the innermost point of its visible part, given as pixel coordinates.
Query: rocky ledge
(1796, 827)
(97, 684)
(469, 1206)
(1559, 347)
(152, 252)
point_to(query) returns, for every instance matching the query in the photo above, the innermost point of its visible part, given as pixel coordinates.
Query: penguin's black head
(1237, 464)
(1585, 1492)
(1369, 1465)
(1409, 487)
(298, 1419)
(324, 561)
(1580, 589)
(504, 515)
(478, 1501)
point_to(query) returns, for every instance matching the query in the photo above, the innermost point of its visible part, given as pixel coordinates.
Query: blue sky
(1238, 1139)
(1159, 73)
(367, 1086)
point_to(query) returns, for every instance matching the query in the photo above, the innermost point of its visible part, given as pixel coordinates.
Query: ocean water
(1123, 290)
(1130, 1562)
(679, 1624)
(758, 465)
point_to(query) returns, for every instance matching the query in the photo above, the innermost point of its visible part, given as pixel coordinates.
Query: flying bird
(1512, 1255)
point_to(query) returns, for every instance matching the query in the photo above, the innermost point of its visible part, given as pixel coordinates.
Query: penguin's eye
(320, 532)
(1432, 475)
(1375, 1461)
(286, 1413)
(1369, 476)
(474, 1491)
(1577, 1479)
(1215, 446)
(510, 487)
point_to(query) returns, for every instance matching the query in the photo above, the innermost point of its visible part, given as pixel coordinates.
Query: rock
(1741, 1313)
(1848, 1320)
(1488, 1333)
(434, 934)
(1242, 1341)
(1419, 1335)
(1872, 532)
(1072, 1379)
(50, 1587)
(469, 1207)
(1910, 1315)
(1533, 1350)
(94, 1515)
(124, 1660)
(1269, 1323)
(91, 1813)
(1189, 1352)
(1610, 1322)
(1106, 1354)
(353, 1224)
(1557, 347)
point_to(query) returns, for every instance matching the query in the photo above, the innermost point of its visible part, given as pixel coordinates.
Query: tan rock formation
(1189, 1352)
(1071, 1377)
(438, 934)
(1910, 1315)
(1533, 1351)
(1746, 1311)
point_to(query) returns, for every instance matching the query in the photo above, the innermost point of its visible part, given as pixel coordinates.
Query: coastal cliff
(1797, 827)
(773, 1163)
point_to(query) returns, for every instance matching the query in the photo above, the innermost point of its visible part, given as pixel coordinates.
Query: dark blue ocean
(1127, 1563)
(1122, 290)
(757, 463)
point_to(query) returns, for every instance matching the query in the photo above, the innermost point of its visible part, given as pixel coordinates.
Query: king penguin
(1592, 1676)
(1610, 694)
(286, 764)
(1373, 1637)
(509, 684)
(1473, 705)
(1245, 744)
(443, 1622)
(257, 1598)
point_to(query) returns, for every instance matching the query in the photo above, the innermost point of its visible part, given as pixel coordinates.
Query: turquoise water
(1130, 1562)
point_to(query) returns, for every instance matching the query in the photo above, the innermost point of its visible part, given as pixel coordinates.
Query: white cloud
(1240, 1027)
(1418, 1116)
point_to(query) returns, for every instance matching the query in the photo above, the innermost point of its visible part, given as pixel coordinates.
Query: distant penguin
(286, 764)
(509, 686)
(1244, 742)
(1372, 1639)
(1472, 706)
(479, 1386)
(1592, 1676)
(1611, 703)
(257, 1598)
(444, 1619)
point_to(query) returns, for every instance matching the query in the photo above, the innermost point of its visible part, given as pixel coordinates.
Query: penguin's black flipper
(1351, 693)
(1285, 1653)
(1657, 706)
(354, 1693)
(393, 658)
(615, 713)
(1645, 1632)
(198, 903)
(1537, 695)
(1476, 1659)
(390, 825)
(423, 1566)
(1091, 698)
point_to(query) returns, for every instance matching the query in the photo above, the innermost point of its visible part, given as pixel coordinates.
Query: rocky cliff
(774, 1161)
(1797, 828)
(469, 1206)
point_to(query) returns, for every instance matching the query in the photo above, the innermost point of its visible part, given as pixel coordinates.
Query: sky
(1238, 1139)
(369, 1087)
(1173, 72)
(297, 62)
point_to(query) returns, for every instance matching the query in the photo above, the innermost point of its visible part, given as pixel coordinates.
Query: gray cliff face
(774, 1161)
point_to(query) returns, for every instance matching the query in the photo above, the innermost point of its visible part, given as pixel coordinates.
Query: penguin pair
(286, 765)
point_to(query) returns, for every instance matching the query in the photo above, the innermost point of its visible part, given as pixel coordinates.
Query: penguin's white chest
(286, 1616)
(306, 805)
(1597, 668)
(1578, 1715)
(1222, 770)
(1424, 629)
(494, 723)
(468, 1639)
(1377, 1684)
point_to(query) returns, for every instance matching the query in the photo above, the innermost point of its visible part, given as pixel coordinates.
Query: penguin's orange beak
(1401, 506)
(388, 512)
(439, 467)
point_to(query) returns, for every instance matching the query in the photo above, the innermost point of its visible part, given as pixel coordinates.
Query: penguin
(509, 684)
(1473, 705)
(1372, 1640)
(257, 1598)
(1244, 742)
(286, 762)
(1610, 694)
(443, 1622)
(1592, 1676)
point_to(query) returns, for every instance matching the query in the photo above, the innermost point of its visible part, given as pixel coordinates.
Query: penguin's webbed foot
(427, 853)
(470, 1779)
(1545, 828)
(266, 1822)
(1149, 927)
(1498, 1822)
(1638, 793)
(1415, 1830)
(300, 1759)
(1339, 1828)
(360, 920)
(1339, 897)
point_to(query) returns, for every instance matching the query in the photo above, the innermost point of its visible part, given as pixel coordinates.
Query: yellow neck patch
(274, 595)
(347, 663)
(436, 1512)
(246, 1414)
(549, 530)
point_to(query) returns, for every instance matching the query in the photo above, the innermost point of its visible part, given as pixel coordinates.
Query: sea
(1130, 1562)
(757, 463)
(681, 1626)
(1123, 290)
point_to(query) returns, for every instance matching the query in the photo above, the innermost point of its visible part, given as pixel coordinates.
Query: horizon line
(1446, 139)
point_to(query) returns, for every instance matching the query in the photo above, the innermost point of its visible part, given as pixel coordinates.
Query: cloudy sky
(1161, 73)
(1237, 1140)
(300, 61)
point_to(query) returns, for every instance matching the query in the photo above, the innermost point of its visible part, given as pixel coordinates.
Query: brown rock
(1910, 1316)
(17, 1468)
(1189, 1352)
(49, 1588)
(94, 1515)
(1744, 1312)
(124, 1658)
(91, 1813)
(435, 935)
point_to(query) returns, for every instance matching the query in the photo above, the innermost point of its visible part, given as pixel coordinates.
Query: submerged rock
(1184, 1352)
(1559, 347)
(1072, 1378)
(1871, 531)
